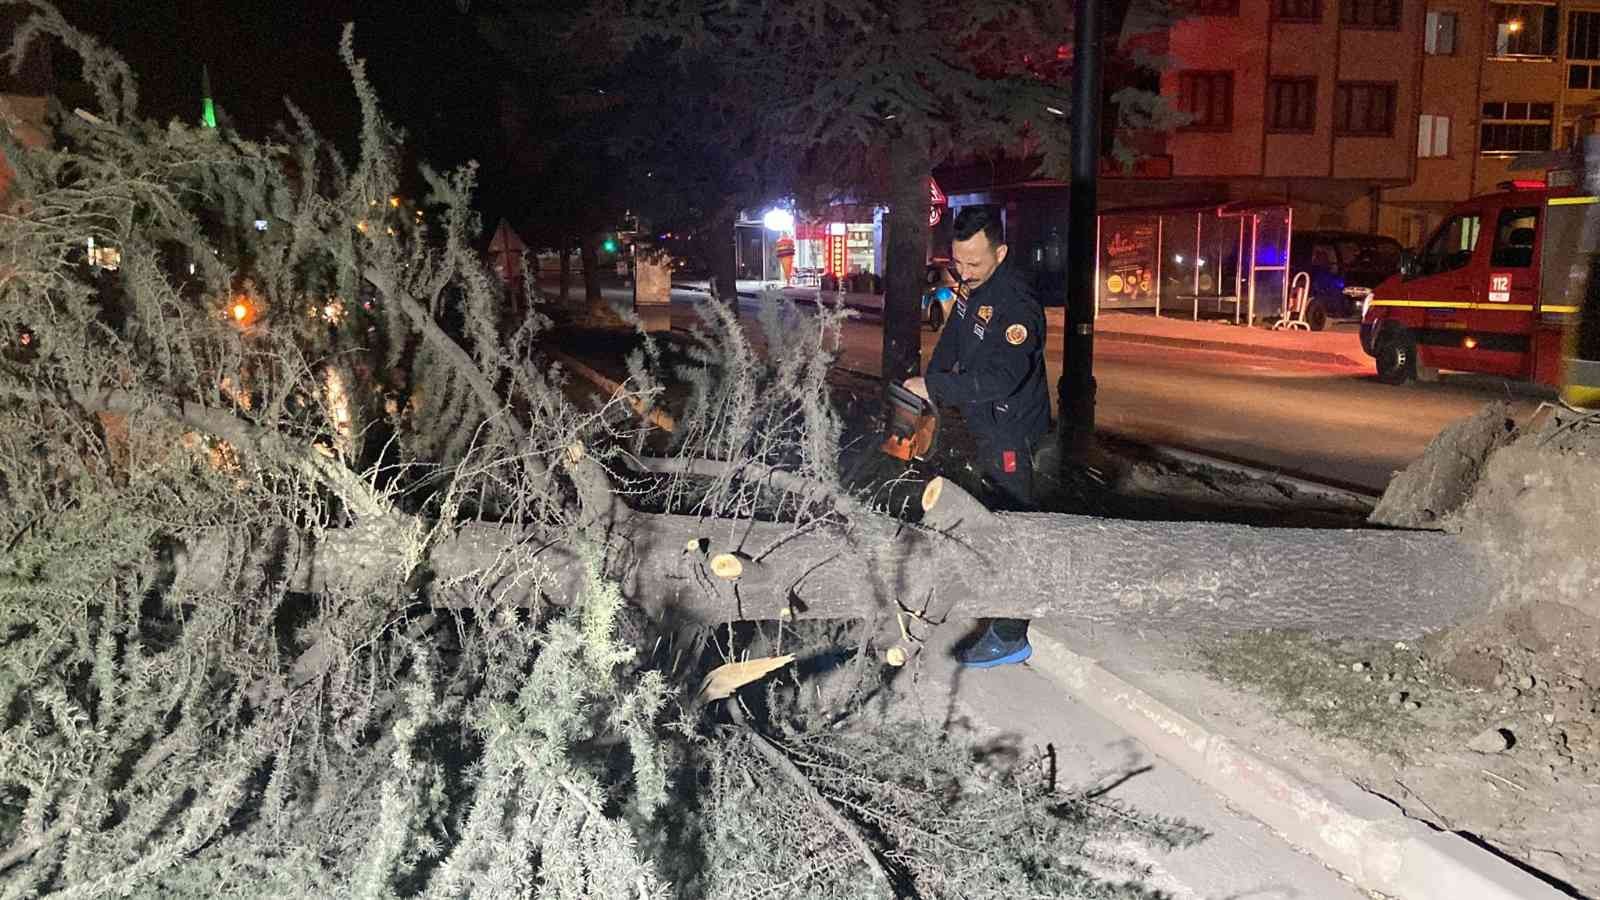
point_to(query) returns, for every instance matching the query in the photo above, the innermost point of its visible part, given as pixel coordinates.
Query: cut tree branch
(1191, 576)
(786, 767)
(458, 359)
(754, 471)
(364, 502)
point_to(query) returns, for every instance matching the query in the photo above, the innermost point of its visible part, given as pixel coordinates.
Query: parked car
(1344, 267)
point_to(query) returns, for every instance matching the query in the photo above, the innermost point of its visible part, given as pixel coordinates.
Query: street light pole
(1076, 389)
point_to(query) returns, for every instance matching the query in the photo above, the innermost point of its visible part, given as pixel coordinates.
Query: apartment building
(1371, 115)
(1498, 79)
(1309, 102)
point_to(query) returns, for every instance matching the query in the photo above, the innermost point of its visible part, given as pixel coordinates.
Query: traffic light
(609, 245)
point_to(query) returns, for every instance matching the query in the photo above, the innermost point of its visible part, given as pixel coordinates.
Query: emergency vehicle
(1501, 287)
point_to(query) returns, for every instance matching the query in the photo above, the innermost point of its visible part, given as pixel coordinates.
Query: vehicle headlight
(1366, 304)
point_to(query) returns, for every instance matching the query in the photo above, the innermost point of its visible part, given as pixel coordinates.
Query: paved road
(1331, 423)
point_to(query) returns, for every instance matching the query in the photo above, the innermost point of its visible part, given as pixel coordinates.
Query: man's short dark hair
(973, 219)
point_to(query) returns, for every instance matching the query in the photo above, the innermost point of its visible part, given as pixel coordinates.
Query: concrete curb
(1349, 830)
(1290, 353)
(1343, 494)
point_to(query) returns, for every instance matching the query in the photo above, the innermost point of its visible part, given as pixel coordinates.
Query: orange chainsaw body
(912, 425)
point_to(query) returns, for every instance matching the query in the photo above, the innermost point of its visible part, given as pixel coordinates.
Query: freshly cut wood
(946, 506)
(727, 565)
(722, 681)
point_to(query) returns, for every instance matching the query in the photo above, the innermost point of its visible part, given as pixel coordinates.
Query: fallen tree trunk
(1194, 576)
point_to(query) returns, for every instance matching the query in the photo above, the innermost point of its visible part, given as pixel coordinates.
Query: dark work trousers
(1009, 470)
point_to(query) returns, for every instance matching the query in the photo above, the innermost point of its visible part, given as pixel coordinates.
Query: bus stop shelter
(1230, 260)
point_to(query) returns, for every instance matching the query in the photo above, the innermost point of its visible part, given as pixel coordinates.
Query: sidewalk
(1144, 686)
(752, 290)
(1336, 348)
(1339, 348)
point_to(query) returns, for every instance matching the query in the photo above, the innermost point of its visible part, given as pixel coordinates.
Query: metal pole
(1255, 232)
(1077, 386)
(1099, 277)
(1194, 263)
(1288, 267)
(1160, 250)
(1238, 267)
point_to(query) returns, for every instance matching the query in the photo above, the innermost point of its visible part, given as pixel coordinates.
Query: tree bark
(1189, 576)
(725, 260)
(566, 269)
(591, 269)
(906, 257)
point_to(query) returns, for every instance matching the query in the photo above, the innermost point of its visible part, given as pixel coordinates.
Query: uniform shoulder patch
(1016, 334)
(985, 313)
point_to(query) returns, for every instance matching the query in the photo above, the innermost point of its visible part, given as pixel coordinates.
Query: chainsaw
(911, 424)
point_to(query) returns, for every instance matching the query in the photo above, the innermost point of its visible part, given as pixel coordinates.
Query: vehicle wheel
(1316, 316)
(1396, 355)
(935, 315)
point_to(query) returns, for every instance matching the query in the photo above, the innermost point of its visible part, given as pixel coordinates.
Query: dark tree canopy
(715, 107)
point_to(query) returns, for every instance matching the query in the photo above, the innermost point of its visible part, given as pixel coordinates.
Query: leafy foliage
(937, 822)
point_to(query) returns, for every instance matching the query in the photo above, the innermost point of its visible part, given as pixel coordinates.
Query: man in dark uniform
(990, 362)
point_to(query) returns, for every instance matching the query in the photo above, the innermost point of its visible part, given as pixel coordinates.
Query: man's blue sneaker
(991, 650)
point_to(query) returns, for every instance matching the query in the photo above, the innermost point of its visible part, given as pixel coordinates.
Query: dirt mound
(1533, 513)
(1526, 499)
(1507, 743)
(1434, 487)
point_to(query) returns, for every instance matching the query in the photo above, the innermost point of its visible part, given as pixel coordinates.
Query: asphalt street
(1330, 423)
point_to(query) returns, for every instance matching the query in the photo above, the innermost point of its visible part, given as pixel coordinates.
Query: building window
(1523, 30)
(1583, 78)
(1583, 45)
(1292, 104)
(1370, 14)
(1439, 37)
(1516, 127)
(1209, 7)
(1583, 35)
(1364, 109)
(1433, 136)
(1297, 10)
(1208, 99)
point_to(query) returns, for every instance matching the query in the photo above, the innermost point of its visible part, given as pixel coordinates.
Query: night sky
(426, 57)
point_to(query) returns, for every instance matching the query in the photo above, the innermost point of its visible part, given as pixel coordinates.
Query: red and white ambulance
(1502, 287)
